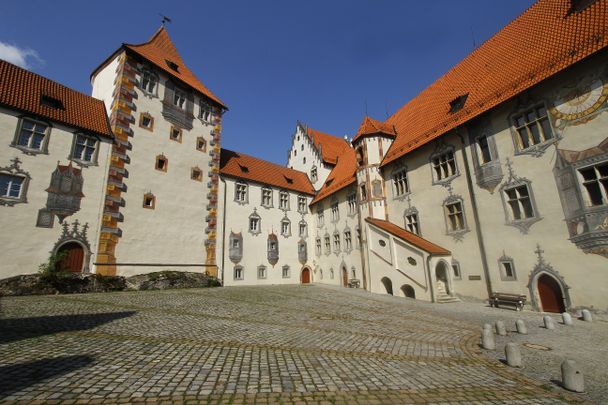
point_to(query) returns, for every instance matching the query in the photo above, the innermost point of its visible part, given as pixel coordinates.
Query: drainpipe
(479, 233)
(223, 230)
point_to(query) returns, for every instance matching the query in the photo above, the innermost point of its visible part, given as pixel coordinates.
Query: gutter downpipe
(482, 249)
(223, 229)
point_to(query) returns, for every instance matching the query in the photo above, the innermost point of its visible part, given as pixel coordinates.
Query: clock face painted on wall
(580, 99)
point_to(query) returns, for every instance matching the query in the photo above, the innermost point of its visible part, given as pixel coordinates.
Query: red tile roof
(370, 126)
(329, 146)
(247, 167)
(160, 50)
(23, 90)
(407, 236)
(544, 40)
(341, 176)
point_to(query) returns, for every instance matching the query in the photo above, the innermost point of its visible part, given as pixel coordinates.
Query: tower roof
(161, 52)
(370, 126)
(547, 38)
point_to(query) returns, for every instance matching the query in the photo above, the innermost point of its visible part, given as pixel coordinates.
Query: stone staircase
(442, 295)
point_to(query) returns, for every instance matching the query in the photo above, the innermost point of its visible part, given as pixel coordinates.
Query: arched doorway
(550, 294)
(344, 277)
(441, 274)
(388, 284)
(305, 276)
(408, 291)
(72, 254)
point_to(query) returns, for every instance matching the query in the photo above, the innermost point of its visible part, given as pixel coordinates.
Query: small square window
(201, 144)
(146, 121)
(175, 134)
(196, 174)
(162, 163)
(507, 269)
(149, 201)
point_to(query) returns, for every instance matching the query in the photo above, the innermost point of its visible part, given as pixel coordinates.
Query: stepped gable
(547, 38)
(236, 164)
(407, 236)
(370, 127)
(43, 98)
(342, 175)
(161, 52)
(330, 146)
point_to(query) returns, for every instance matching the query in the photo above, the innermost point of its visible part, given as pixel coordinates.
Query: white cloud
(19, 56)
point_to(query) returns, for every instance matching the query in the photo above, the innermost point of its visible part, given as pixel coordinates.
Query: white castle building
(494, 179)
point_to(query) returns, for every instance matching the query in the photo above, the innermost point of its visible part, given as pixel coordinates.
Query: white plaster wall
(336, 260)
(25, 245)
(255, 246)
(302, 148)
(172, 235)
(103, 83)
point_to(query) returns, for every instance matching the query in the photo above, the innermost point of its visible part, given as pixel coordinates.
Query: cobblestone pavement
(268, 345)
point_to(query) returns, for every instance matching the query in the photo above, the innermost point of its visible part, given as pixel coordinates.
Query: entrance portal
(441, 274)
(305, 276)
(550, 293)
(73, 257)
(344, 277)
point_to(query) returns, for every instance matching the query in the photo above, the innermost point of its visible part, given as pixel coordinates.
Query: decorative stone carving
(64, 192)
(512, 182)
(235, 250)
(75, 233)
(543, 267)
(14, 169)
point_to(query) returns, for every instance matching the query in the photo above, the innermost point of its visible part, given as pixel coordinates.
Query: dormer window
(172, 65)
(458, 103)
(52, 102)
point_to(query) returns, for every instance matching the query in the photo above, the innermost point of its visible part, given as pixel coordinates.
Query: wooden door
(305, 275)
(550, 293)
(344, 277)
(74, 257)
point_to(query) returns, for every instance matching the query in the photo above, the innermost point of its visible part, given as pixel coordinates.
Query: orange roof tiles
(160, 50)
(544, 40)
(330, 146)
(407, 236)
(23, 90)
(370, 126)
(342, 175)
(247, 167)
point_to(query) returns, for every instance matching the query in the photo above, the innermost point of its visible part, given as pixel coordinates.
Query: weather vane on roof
(164, 20)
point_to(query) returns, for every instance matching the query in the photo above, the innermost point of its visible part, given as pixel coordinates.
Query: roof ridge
(265, 161)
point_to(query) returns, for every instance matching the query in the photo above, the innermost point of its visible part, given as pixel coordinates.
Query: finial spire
(164, 20)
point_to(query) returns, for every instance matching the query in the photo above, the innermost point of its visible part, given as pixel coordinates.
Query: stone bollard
(487, 339)
(513, 355)
(520, 325)
(488, 326)
(572, 377)
(548, 322)
(567, 318)
(500, 328)
(587, 315)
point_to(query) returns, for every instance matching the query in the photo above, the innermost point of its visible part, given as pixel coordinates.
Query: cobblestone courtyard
(290, 344)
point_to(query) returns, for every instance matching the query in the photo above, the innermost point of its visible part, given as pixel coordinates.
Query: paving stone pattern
(269, 345)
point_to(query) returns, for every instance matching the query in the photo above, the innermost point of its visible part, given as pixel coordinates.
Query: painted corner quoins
(212, 196)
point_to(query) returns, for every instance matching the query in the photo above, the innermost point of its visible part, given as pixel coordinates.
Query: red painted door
(74, 257)
(305, 276)
(550, 293)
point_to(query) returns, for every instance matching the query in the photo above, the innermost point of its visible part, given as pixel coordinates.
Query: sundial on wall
(580, 99)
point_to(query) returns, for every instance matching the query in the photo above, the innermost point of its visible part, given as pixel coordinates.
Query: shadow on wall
(26, 328)
(16, 377)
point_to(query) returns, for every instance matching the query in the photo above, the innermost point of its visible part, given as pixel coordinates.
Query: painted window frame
(284, 200)
(400, 182)
(193, 171)
(318, 246)
(314, 176)
(600, 181)
(78, 160)
(241, 192)
(149, 116)
(320, 216)
(270, 196)
(302, 204)
(165, 166)
(27, 149)
(254, 218)
(522, 224)
(412, 226)
(198, 146)
(285, 271)
(180, 98)
(303, 229)
(238, 273)
(351, 201)
(205, 112)
(152, 78)
(335, 211)
(337, 242)
(437, 162)
(535, 149)
(149, 197)
(348, 240)
(327, 241)
(450, 229)
(503, 262)
(285, 227)
(262, 272)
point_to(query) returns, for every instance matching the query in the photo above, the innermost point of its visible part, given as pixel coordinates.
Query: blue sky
(272, 62)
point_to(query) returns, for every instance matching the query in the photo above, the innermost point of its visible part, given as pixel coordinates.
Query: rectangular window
(320, 216)
(32, 135)
(161, 163)
(175, 134)
(318, 246)
(179, 98)
(302, 205)
(267, 197)
(455, 216)
(507, 269)
(532, 127)
(238, 273)
(254, 224)
(285, 228)
(196, 174)
(595, 181)
(336, 242)
(10, 186)
(411, 223)
(335, 213)
(240, 193)
(149, 201)
(352, 204)
(519, 202)
(313, 174)
(484, 150)
(284, 200)
(444, 166)
(84, 148)
(348, 240)
(146, 121)
(303, 230)
(148, 82)
(262, 272)
(327, 245)
(205, 113)
(286, 272)
(400, 184)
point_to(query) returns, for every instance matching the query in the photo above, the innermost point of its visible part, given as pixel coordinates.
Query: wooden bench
(353, 283)
(516, 300)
